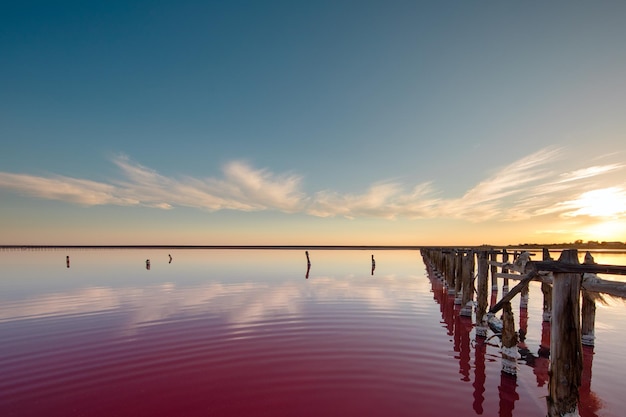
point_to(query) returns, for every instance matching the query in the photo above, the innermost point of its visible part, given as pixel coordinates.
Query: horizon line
(336, 247)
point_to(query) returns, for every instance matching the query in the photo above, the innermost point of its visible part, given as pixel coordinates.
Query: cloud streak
(525, 188)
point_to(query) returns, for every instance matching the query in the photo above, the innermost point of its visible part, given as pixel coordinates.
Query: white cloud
(528, 187)
(72, 190)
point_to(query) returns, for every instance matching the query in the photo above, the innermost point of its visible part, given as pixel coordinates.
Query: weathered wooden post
(509, 341)
(482, 287)
(523, 327)
(493, 256)
(467, 300)
(450, 271)
(505, 281)
(546, 289)
(458, 277)
(566, 360)
(588, 309)
(523, 301)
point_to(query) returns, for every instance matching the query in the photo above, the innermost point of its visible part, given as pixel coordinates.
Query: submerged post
(468, 285)
(494, 270)
(458, 277)
(482, 287)
(523, 301)
(509, 341)
(450, 272)
(505, 282)
(546, 289)
(566, 361)
(588, 319)
(588, 309)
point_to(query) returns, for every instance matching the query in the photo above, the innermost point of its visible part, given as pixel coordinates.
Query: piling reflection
(494, 298)
(462, 329)
(373, 264)
(541, 362)
(507, 394)
(589, 403)
(480, 376)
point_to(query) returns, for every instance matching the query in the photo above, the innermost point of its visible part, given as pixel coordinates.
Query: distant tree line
(578, 244)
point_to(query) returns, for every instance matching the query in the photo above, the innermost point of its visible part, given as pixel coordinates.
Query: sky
(312, 122)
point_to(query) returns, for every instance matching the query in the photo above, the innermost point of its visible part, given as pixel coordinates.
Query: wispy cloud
(68, 189)
(528, 187)
(504, 189)
(385, 200)
(242, 188)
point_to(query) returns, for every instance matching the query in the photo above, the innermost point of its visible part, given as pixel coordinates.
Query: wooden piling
(523, 301)
(588, 314)
(546, 289)
(509, 341)
(493, 256)
(588, 319)
(483, 288)
(458, 277)
(450, 272)
(565, 341)
(505, 282)
(467, 285)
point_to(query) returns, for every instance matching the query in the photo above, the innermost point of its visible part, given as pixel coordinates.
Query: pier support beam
(450, 272)
(509, 341)
(588, 309)
(588, 336)
(467, 300)
(546, 289)
(505, 282)
(458, 277)
(566, 362)
(493, 256)
(483, 288)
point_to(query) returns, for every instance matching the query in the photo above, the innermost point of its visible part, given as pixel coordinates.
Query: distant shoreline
(280, 247)
(534, 247)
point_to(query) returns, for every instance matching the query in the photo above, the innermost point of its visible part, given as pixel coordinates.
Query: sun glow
(608, 231)
(604, 202)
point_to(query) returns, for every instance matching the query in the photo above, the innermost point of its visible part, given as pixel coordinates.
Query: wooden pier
(569, 290)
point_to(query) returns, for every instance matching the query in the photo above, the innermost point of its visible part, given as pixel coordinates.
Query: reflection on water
(240, 333)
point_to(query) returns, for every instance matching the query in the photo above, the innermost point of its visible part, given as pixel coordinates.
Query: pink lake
(246, 333)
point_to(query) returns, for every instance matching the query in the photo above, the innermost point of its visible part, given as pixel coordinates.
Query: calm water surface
(245, 332)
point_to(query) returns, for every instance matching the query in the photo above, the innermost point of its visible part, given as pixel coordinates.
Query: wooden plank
(595, 284)
(518, 288)
(542, 276)
(557, 266)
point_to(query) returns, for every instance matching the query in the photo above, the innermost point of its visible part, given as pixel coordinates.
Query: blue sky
(326, 122)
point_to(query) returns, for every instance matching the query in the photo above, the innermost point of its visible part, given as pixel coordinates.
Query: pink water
(241, 333)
